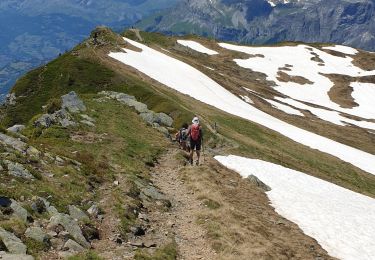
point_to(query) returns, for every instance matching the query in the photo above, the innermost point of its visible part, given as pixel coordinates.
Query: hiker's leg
(199, 156)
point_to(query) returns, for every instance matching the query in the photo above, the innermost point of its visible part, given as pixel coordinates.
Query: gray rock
(77, 214)
(255, 180)
(32, 151)
(93, 211)
(39, 206)
(164, 119)
(149, 117)
(18, 211)
(16, 128)
(73, 103)
(163, 130)
(153, 193)
(71, 226)
(6, 256)
(12, 243)
(88, 118)
(37, 234)
(10, 99)
(63, 118)
(18, 170)
(73, 246)
(13, 142)
(140, 107)
(88, 123)
(45, 121)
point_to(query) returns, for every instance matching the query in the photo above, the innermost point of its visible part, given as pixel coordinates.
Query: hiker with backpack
(182, 137)
(196, 137)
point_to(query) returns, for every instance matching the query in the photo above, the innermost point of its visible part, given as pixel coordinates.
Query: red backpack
(195, 132)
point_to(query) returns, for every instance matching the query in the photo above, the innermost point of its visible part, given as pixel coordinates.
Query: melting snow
(342, 49)
(302, 65)
(197, 47)
(341, 221)
(285, 108)
(190, 81)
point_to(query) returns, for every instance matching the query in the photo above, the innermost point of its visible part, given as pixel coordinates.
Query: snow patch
(342, 49)
(341, 221)
(284, 108)
(190, 81)
(197, 47)
(300, 58)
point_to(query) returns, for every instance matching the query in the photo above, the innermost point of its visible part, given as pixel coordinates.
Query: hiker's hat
(195, 120)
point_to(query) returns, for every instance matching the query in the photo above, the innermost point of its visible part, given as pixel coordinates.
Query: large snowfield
(190, 81)
(301, 64)
(341, 221)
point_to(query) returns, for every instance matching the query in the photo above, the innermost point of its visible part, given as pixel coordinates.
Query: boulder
(16, 128)
(71, 226)
(63, 118)
(39, 206)
(37, 234)
(32, 151)
(45, 121)
(18, 170)
(7, 256)
(164, 119)
(12, 243)
(77, 214)
(149, 117)
(163, 130)
(93, 211)
(88, 123)
(73, 103)
(140, 107)
(18, 211)
(73, 246)
(13, 142)
(88, 118)
(255, 180)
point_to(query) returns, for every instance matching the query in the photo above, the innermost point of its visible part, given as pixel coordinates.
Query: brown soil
(341, 92)
(285, 77)
(365, 60)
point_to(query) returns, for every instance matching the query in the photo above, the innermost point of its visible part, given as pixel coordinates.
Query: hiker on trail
(196, 137)
(182, 137)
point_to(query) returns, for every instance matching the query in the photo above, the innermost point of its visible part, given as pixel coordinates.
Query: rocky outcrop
(13, 142)
(18, 170)
(73, 103)
(18, 211)
(255, 180)
(12, 243)
(16, 128)
(157, 120)
(37, 234)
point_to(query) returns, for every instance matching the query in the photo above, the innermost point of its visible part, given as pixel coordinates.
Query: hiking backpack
(183, 134)
(195, 132)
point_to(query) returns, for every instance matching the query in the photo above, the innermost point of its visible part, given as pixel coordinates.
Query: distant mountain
(349, 22)
(33, 32)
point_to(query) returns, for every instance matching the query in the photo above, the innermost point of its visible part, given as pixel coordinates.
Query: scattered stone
(73, 246)
(18, 211)
(88, 118)
(16, 128)
(116, 183)
(13, 142)
(255, 180)
(88, 123)
(77, 214)
(12, 243)
(153, 193)
(52, 234)
(71, 226)
(18, 170)
(136, 243)
(59, 160)
(33, 152)
(57, 243)
(39, 206)
(45, 121)
(143, 217)
(149, 244)
(37, 234)
(10, 99)
(66, 254)
(164, 119)
(73, 103)
(93, 211)
(6, 256)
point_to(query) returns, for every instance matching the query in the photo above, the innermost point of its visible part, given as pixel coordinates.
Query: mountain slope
(216, 77)
(34, 32)
(260, 21)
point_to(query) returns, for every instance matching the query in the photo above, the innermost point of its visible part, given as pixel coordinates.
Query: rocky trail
(190, 237)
